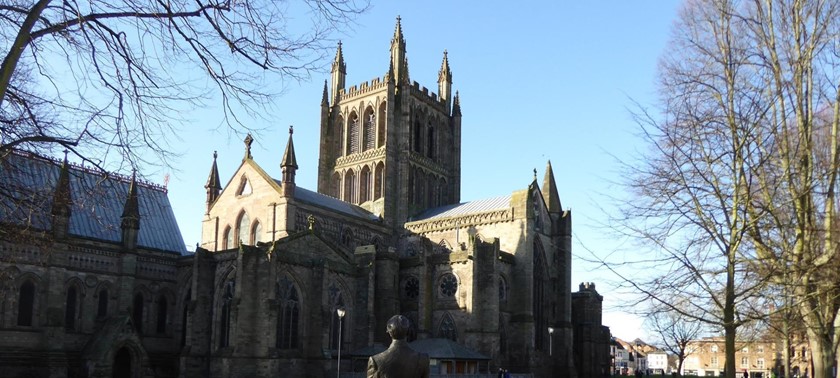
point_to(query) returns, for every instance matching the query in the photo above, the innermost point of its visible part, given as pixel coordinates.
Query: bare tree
(675, 331)
(107, 79)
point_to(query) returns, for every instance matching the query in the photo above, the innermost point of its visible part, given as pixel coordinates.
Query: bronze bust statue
(399, 360)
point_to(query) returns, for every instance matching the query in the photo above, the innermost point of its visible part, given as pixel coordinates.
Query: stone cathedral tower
(388, 140)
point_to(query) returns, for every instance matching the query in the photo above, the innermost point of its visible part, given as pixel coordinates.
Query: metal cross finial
(248, 140)
(291, 129)
(535, 173)
(215, 155)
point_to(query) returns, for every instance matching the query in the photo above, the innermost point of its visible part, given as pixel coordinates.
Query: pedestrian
(746, 375)
(507, 373)
(501, 373)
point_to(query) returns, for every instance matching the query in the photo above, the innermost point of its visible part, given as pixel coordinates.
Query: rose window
(448, 285)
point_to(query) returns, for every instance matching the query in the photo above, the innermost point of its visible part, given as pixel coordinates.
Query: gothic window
(448, 285)
(161, 314)
(418, 136)
(350, 186)
(184, 318)
(102, 306)
(70, 308)
(227, 238)
(353, 134)
(447, 328)
(380, 134)
(503, 290)
(244, 187)
(539, 297)
(225, 316)
(288, 318)
(339, 126)
(256, 232)
(430, 142)
(370, 129)
(336, 185)
(336, 301)
(243, 228)
(411, 288)
(378, 180)
(364, 185)
(26, 304)
(137, 312)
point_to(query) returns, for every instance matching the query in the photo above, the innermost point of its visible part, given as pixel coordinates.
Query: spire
(549, 191)
(445, 81)
(324, 99)
(62, 198)
(248, 141)
(338, 63)
(131, 215)
(456, 105)
(289, 167)
(214, 185)
(338, 73)
(398, 60)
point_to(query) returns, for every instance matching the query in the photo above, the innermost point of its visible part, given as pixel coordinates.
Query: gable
(310, 246)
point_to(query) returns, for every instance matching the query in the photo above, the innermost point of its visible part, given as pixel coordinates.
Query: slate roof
(98, 202)
(464, 208)
(445, 349)
(335, 204)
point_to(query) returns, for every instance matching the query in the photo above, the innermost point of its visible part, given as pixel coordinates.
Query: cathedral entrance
(122, 364)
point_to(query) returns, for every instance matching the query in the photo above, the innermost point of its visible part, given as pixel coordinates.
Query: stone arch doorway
(122, 364)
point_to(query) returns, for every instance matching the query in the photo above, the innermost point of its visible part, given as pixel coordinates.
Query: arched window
(336, 302)
(225, 317)
(243, 229)
(347, 237)
(339, 134)
(353, 134)
(418, 136)
(380, 133)
(378, 180)
(369, 138)
(447, 328)
(256, 232)
(227, 238)
(538, 296)
(336, 185)
(288, 317)
(102, 306)
(26, 304)
(430, 141)
(350, 186)
(364, 185)
(137, 312)
(162, 309)
(70, 308)
(503, 290)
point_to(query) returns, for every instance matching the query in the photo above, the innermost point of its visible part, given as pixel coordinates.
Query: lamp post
(340, 313)
(550, 339)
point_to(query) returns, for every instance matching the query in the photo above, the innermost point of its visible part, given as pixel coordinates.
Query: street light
(340, 313)
(550, 339)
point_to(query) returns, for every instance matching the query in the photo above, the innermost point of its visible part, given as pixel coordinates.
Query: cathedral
(292, 282)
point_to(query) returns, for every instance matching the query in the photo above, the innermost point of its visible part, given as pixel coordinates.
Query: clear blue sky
(538, 80)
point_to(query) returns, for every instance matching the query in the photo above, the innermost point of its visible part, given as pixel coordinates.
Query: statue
(399, 360)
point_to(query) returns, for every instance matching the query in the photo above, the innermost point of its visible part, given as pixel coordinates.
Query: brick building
(385, 233)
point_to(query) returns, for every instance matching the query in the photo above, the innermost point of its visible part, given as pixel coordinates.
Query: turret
(130, 224)
(338, 73)
(398, 59)
(549, 192)
(214, 185)
(289, 167)
(445, 81)
(62, 201)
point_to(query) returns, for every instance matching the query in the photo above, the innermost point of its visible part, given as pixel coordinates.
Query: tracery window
(447, 328)
(418, 136)
(353, 137)
(364, 185)
(243, 227)
(336, 301)
(448, 285)
(350, 186)
(26, 304)
(379, 180)
(288, 317)
(370, 130)
(411, 288)
(228, 238)
(225, 318)
(256, 232)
